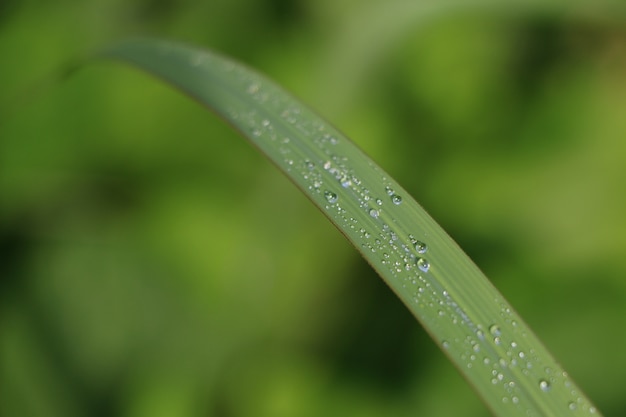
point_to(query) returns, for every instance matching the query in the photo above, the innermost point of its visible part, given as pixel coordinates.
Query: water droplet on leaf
(494, 329)
(330, 197)
(420, 247)
(423, 264)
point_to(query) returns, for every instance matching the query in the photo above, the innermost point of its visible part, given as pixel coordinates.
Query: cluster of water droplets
(322, 168)
(503, 357)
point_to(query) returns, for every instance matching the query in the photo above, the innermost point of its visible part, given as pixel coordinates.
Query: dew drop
(389, 190)
(423, 264)
(379, 201)
(544, 385)
(494, 329)
(330, 197)
(374, 213)
(445, 344)
(572, 406)
(396, 199)
(420, 247)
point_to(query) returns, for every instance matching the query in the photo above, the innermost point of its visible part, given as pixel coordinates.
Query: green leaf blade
(465, 315)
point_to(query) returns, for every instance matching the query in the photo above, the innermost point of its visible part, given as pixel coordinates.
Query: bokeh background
(153, 264)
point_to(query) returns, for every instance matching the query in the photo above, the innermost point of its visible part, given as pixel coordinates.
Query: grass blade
(465, 315)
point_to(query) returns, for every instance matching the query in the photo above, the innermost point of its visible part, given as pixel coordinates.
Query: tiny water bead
(330, 139)
(423, 264)
(374, 213)
(544, 385)
(420, 247)
(396, 199)
(330, 197)
(494, 329)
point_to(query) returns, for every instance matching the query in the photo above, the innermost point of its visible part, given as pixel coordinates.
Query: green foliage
(123, 218)
(447, 293)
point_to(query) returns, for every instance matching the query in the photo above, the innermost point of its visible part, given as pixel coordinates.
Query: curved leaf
(465, 315)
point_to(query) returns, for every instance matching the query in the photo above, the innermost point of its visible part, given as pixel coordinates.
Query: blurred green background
(153, 264)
